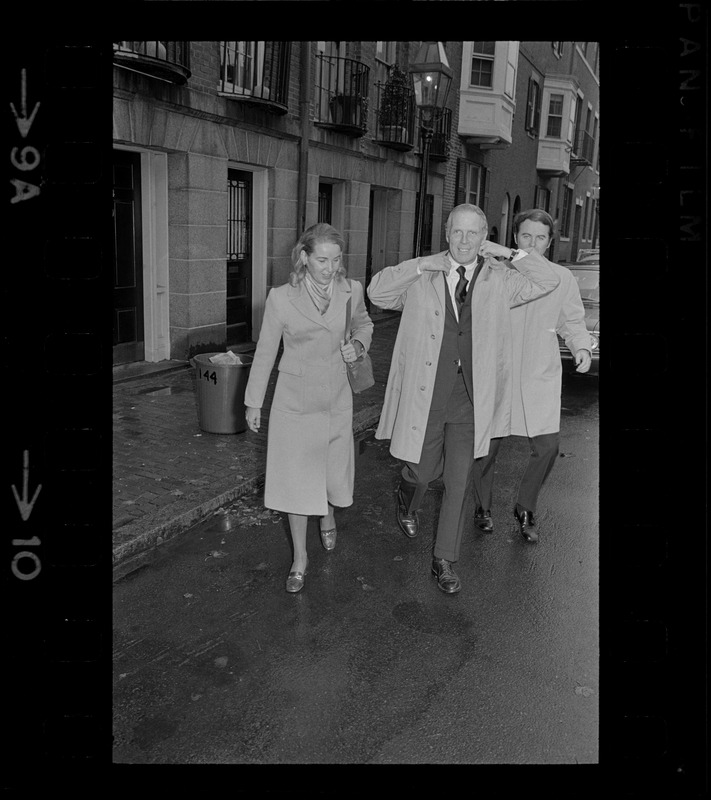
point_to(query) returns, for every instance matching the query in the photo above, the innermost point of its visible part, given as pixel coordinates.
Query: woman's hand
(350, 351)
(254, 418)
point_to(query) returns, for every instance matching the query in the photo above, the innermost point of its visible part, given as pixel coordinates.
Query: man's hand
(254, 418)
(497, 250)
(583, 359)
(437, 263)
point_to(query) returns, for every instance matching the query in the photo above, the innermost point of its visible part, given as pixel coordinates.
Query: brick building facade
(217, 170)
(225, 151)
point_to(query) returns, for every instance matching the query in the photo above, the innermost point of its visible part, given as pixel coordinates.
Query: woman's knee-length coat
(310, 453)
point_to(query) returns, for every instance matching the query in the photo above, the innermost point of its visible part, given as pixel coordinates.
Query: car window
(588, 283)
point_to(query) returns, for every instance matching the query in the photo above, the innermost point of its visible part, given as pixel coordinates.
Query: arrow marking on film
(23, 122)
(22, 504)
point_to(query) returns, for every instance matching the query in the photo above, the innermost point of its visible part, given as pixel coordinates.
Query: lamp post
(431, 78)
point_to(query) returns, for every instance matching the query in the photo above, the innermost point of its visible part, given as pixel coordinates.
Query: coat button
(432, 336)
(436, 313)
(428, 363)
(422, 388)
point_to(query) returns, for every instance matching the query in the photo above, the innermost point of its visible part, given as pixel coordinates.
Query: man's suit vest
(456, 348)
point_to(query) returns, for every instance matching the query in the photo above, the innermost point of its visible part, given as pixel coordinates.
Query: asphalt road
(371, 664)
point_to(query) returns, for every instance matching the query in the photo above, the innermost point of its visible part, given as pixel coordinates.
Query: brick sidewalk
(168, 474)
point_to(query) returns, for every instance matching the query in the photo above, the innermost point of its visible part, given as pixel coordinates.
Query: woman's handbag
(360, 371)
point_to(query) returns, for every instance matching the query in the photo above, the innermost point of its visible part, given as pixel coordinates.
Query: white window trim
(385, 60)
(483, 57)
(235, 89)
(155, 268)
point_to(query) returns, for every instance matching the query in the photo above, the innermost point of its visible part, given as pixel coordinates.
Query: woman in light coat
(310, 451)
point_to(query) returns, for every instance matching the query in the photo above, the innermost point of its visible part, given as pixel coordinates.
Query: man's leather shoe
(447, 579)
(483, 521)
(408, 522)
(527, 525)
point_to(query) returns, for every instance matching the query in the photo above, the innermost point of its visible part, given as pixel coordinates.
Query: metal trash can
(220, 393)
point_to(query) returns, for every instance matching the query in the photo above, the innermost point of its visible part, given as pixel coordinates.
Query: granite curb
(135, 543)
(172, 522)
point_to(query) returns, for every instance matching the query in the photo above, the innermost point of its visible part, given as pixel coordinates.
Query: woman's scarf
(321, 295)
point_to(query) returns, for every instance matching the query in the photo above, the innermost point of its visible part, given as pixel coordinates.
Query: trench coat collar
(300, 299)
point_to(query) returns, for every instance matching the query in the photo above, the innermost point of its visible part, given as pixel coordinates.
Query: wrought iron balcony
(167, 61)
(395, 115)
(441, 133)
(341, 94)
(257, 73)
(583, 150)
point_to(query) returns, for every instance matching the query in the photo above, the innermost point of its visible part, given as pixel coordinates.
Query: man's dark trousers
(448, 448)
(544, 450)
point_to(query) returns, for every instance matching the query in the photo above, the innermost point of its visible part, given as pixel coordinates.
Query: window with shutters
(472, 184)
(533, 106)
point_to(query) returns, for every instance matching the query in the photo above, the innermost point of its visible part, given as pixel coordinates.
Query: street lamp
(431, 77)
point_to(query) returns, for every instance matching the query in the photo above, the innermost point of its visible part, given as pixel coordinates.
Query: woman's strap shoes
(295, 581)
(328, 539)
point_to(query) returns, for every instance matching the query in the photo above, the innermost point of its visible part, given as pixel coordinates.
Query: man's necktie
(460, 292)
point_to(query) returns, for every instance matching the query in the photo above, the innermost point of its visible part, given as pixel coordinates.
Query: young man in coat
(449, 387)
(537, 378)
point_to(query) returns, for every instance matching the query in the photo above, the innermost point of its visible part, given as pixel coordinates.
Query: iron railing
(341, 94)
(441, 133)
(169, 61)
(395, 113)
(583, 149)
(256, 72)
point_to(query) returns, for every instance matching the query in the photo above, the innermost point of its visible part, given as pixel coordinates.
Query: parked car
(589, 254)
(587, 274)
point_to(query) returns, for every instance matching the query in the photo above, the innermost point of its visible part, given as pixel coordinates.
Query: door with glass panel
(239, 257)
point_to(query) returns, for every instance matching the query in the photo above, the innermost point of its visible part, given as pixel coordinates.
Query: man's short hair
(535, 215)
(466, 207)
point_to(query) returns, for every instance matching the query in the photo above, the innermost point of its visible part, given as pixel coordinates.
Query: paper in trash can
(226, 358)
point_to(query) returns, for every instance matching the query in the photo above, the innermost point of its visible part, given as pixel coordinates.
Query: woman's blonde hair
(321, 232)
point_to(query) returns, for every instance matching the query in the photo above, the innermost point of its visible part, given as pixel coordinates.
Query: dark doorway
(128, 342)
(239, 257)
(325, 202)
(576, 234)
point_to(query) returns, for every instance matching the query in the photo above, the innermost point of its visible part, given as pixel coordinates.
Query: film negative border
(58, 366)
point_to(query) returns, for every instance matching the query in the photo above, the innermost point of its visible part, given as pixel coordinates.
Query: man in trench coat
(537, 379)
(449, 387)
